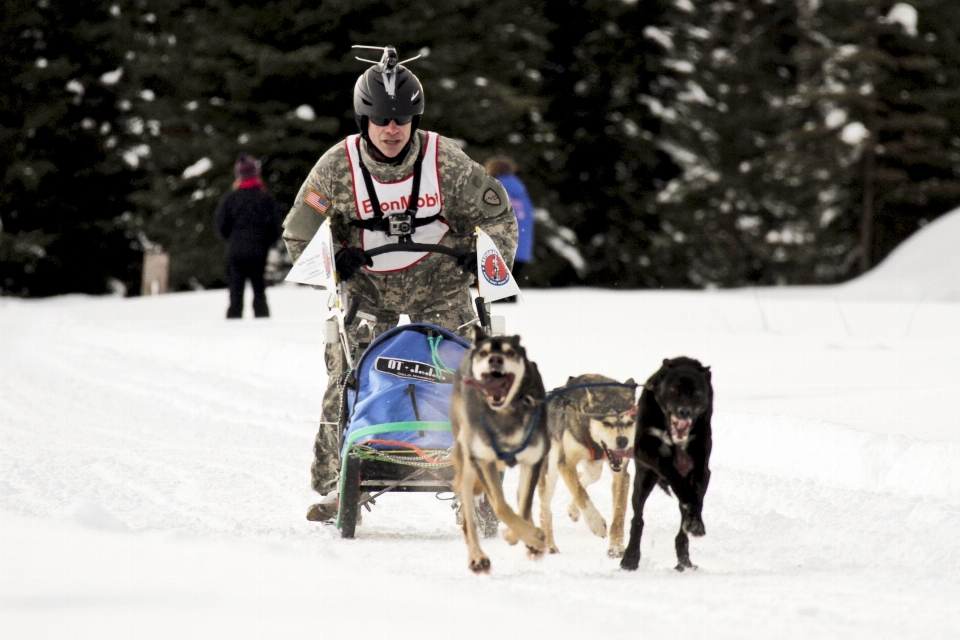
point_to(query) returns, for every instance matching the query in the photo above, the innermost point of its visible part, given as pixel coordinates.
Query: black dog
(673, 443)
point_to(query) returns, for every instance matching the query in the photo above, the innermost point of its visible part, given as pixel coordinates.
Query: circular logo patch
(494, 270)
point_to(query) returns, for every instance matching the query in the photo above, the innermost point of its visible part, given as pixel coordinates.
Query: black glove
(349, 259)
(468, 262)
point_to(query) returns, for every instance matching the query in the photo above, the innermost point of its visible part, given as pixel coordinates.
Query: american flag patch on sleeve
(317, 201)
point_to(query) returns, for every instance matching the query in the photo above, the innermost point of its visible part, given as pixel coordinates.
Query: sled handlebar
(415, 246)
(354, 305)
(352, 309)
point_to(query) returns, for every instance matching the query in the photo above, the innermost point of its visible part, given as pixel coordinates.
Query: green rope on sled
(438, 364)
(377, 429)
(366, 453)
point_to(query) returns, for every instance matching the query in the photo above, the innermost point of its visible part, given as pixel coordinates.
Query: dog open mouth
(496, 385)
(680, 428)
(617, 457)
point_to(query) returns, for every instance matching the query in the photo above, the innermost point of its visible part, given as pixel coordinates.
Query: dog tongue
(491, 385)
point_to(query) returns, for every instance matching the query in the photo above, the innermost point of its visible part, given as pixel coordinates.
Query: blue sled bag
(400, 389)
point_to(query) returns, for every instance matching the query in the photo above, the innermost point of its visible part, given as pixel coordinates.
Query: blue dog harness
(534, 420)
(527, 434)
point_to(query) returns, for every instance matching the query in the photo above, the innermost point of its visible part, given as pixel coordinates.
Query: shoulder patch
(317, 201)
(492, 198)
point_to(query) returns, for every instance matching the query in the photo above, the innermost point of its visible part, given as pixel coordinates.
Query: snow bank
(836, 456)
(926, 266)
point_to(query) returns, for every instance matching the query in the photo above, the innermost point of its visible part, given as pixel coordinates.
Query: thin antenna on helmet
(389, 56)
(389, 59)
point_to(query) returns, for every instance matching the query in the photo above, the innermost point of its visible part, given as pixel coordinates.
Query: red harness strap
(592, 450)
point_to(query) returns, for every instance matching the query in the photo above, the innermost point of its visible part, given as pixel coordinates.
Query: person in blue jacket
(504, 169)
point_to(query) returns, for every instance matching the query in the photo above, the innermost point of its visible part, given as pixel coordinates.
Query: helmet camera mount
(387, 66)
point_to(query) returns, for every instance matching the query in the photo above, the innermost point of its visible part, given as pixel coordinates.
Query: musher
(363, 184)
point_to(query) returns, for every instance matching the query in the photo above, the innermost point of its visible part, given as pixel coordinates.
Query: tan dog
(498, 416)
(591, 419)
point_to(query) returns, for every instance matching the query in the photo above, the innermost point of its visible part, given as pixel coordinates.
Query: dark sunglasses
(383, 122)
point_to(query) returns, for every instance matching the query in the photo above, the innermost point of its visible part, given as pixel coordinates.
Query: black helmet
(387, 90)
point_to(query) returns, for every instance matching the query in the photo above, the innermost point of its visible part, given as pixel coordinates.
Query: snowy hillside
(924, 267)
(154, 473)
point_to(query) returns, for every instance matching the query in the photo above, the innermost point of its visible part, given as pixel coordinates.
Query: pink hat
(246, 167)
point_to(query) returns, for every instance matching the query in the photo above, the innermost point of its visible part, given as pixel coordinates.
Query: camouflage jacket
(463, 183)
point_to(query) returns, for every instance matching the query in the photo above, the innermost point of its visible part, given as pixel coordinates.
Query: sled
(394, 424)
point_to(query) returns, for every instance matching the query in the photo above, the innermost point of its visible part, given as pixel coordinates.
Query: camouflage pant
(449, 310)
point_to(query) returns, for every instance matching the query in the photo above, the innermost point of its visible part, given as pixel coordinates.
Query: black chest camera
(400, 224)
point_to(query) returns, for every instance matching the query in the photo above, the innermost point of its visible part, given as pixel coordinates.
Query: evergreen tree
(727, 220)
(723, 142)
(207, 83)
(604, 168)
(878, 96)
(62, 196)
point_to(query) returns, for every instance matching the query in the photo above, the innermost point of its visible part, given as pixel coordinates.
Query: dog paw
(480, 564)
(598, 526)
(553, 549)
(629, 563)
(615, 551)
(573, 511)
(693, 525)
(535, 539)
(534, 554)
(682, 566)
(509, 535)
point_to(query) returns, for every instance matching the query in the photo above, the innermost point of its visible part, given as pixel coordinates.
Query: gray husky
(499, 417)
(592, 419)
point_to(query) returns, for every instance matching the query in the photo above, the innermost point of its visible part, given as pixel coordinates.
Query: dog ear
(479, 335)
(514, 341)
(570, 379)
(630, 381)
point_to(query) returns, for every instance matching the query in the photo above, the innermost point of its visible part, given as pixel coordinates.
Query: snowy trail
(155, 468)
(149, 421)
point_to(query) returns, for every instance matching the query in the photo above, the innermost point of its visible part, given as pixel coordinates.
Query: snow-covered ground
(154, 472)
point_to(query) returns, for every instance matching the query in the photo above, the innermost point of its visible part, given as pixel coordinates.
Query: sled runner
(394, 409)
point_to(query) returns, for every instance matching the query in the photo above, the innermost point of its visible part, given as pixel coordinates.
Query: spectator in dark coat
(249, 219)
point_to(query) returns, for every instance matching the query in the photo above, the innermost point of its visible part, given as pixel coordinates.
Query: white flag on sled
(316, 264)
(495, 279)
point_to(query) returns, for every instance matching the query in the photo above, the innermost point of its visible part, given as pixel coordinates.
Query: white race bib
(394, 198)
